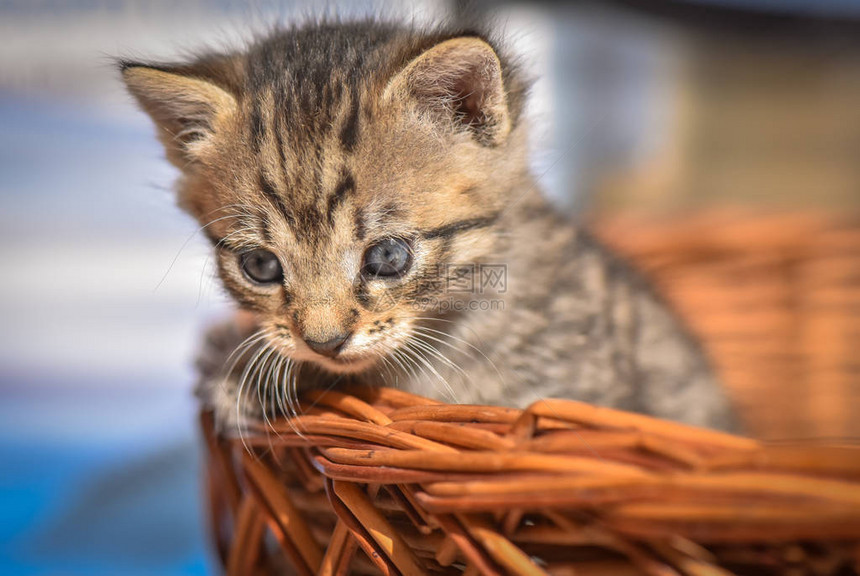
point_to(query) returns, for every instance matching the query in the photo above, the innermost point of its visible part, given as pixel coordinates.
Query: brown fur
(321, 140)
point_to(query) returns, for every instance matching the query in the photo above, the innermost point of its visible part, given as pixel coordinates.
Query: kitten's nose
(329, 348)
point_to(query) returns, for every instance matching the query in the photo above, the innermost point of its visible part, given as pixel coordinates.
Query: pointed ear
(186, 109)
(459, 81)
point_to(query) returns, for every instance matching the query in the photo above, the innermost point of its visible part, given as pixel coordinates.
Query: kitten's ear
(459, 80)
(186, 109)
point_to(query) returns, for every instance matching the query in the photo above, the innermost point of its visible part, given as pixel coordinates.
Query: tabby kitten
(367, 192)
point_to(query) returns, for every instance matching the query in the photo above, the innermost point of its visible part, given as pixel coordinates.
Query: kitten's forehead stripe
(349, 132)
(265, 233)
(268, 189)
(279, 144)
(317, 75)
(360, 224)
(258, 129)
(309, 220)
(308, 91)
(318, 166)
(345, 186)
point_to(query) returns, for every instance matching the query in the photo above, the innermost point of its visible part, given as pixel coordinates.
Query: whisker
(243, 347)
(425, 329)
(185, 244)
(262, 384)
(459, 323)
(405, 363)
(420, 357)
(292, 391)
(292, 399)
(250, 368)
(272, 394)
(262, 391)
(388, 369)
(289, 412)
(279, 388)
(438, 354)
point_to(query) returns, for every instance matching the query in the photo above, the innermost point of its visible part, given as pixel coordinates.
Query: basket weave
(775, 297)
(376, 480)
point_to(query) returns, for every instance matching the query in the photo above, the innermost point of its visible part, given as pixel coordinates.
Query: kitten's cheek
(284, 344)
(389, 339)
(359, 343)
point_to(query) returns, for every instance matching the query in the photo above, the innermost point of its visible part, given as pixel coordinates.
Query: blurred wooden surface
(775, 298)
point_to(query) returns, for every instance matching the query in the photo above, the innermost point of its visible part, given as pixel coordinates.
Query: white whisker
(416, 339)
(250, 368)
(425, 330)
(185, 244)
(416, 353)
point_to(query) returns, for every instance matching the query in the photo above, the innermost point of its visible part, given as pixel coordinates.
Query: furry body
(318, 144)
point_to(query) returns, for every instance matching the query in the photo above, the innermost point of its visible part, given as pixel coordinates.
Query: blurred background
(717, 143)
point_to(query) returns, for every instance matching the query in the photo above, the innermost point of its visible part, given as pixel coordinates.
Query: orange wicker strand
(290, 524)
(380, 530)
(337, 550)
(471, 489)
(597, 417)
(247, 540)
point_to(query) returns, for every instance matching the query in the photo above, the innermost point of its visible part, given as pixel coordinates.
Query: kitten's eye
(261, 266)
(388, 258)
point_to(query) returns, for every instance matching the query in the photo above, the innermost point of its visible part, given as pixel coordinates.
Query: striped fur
(318, 141)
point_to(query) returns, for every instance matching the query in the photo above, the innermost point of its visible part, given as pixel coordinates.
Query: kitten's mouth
(346, 365)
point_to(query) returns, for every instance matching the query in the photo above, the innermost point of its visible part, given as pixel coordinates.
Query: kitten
(367, 192)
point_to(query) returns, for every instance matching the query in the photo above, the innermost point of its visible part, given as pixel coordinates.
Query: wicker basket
(381, 481)
(776, 300)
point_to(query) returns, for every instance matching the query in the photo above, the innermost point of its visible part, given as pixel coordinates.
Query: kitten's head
(337, 169)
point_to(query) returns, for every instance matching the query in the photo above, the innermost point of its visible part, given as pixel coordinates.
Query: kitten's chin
(345, 365)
